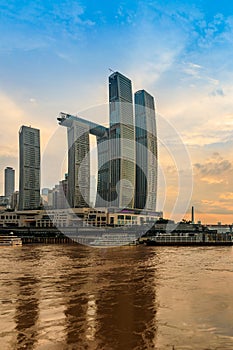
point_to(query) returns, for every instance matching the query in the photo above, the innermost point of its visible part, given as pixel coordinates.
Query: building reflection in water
(84, 298)
(126, 304)
(91, 317)
(76, 298)
(26, 315)
(27, 304)
(111, 301)
(79, 301)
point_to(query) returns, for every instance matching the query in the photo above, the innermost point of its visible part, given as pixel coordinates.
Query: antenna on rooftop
(111, 71)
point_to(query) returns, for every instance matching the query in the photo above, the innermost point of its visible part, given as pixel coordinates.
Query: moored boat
(114, 240)
(10, 240)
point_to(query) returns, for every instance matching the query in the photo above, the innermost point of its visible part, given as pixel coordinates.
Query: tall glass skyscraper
(78, 165)
(29, 168)
(127, 151)
(146, 151)
(78, 130)
(122, 142)
(103, 182)
(9, 181)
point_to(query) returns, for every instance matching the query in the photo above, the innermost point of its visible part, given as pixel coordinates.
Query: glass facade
(78, 130)
(146, 151)
(127, 151)
(103, 184)
(78, 165)
(122, 142)
(9, 181)
(29, 164)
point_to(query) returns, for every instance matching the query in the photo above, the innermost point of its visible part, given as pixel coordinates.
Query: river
(74, 297)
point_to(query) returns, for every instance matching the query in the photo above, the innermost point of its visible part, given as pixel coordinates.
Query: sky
(55, 56)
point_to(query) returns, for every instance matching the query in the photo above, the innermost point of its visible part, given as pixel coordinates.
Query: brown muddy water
(73, 297)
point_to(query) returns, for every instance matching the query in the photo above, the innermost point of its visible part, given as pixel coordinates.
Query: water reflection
(135, 298)
(26, 285)
(126, 304)
(26, 314)
(91, 317)
(111, 300)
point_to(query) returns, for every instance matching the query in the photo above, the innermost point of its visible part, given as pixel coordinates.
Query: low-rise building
(75, 217)
(220, 228)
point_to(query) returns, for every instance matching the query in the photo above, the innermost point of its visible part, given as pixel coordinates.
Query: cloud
(213, 181)
(32, 100)
(197, 74)
(193, 69)
(214, 167)
(14, 114)
(11, 118)
(217, 92)
(217, 206)
(228, 196)
(213, 32)
(124, 15)
(180, 53)
(200, 118)
(44, 13)
(39, 25)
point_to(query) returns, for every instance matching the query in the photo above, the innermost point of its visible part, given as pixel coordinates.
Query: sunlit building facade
(127, 152)
(78, 165)
(122, 142)
(146, 151)
(103, 182)
(9, 181)
(29, 168)
(78, 132)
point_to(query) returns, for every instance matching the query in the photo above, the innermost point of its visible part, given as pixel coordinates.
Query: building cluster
(77, 217)
(127, 168)
(56, 198)
(127, 151)
(127, 171)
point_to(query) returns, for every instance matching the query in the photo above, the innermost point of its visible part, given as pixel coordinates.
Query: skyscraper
(122, 142)
(29, 168)
(78, 131)
(127, 151)
(78, 165)
(146, 151)
(9, 181)
(103, 182)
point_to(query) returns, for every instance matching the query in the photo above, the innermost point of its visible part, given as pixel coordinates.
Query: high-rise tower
(127, 174)
(78, 131)
(146, 151)
(78, 165)
(29, 168)
(122, 142)
(103, 182)
(9, 181)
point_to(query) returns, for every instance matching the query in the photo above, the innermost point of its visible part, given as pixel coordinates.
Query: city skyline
(181, 55)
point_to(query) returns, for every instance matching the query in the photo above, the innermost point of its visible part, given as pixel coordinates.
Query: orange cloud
(227, 195)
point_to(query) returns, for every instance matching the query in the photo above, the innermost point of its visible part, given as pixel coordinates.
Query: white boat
(114, 240)
(10, 241)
